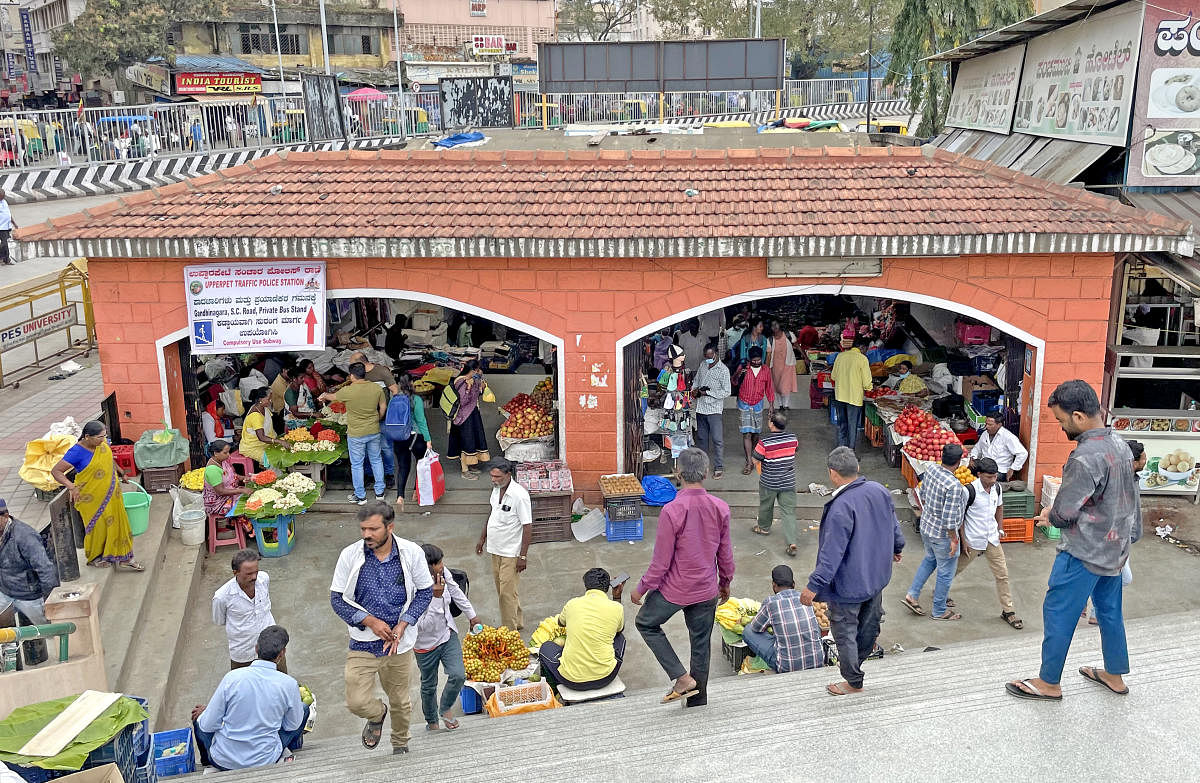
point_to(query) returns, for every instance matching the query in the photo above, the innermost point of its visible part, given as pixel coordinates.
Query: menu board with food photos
(1171, 453)
(985, 91)
(1165, 141)
(1077, 82)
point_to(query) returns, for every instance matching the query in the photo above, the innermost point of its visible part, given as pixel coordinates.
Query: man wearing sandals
(777, 484)
(981, 534)
(692, 565)
(944, 504)
(859, 540)
(1098, 511)
(381, 587)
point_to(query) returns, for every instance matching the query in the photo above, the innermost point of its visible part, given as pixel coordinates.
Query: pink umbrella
(366, 94)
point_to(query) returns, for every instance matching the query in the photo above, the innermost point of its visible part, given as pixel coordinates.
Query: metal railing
(11, 638)
(62, 137)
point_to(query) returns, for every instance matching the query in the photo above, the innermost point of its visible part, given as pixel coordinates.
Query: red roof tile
(464, 194)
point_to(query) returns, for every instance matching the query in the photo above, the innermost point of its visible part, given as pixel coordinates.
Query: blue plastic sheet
(657, 490)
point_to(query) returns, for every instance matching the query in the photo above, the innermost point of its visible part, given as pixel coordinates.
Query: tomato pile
(928, 445)
(914, 421)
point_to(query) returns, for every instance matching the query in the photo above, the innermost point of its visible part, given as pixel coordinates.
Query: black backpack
(970, 499)
(460, 578)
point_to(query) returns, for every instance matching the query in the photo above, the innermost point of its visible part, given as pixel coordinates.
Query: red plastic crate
(123, 456)
(972, 334)
(1017, 530)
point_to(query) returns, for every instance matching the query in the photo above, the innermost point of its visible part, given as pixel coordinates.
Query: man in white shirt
(981, 534)
(1002, 446)
(506, 537)
(243, 606)
(692, 342)
(7, 225)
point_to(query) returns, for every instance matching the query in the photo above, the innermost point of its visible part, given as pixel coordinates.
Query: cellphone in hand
(620, 579)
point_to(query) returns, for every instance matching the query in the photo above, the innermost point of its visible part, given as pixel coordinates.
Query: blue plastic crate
(145, 771)
(284, 529)
(629, 530)
(471, 702)
(119, 751)
(141, 733)
(182, 764)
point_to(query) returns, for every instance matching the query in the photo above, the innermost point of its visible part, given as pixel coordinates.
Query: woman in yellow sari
(96, 493)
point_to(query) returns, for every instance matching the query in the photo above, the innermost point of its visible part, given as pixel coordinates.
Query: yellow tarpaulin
(440, 375)
(42, 455)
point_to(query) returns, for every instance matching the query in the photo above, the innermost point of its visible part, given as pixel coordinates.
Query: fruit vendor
(381, 587)
(909, 381)
(591, 655)
(243, 607)
(255, 717)
(794, 642)
(1000, 444)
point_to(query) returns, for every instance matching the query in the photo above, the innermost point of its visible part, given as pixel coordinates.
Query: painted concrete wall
(592, 304)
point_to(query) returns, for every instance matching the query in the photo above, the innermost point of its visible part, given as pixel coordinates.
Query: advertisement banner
(11, 70)
(154, 77)
(1077, 82)
(217, 83)
(256, 307)
(478, 7)
(985, 92)
(1165, 143)
(488, 44)
(27, 34)
(39, 326)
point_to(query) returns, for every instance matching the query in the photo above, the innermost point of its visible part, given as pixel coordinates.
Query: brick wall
(591, 303)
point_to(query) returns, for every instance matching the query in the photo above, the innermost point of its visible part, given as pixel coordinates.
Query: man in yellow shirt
(851, 376)
(595, 646)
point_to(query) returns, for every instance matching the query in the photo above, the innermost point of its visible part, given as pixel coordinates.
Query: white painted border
(418, 296)
(837, 288)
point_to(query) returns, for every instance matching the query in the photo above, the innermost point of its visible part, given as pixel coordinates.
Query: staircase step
(756, 725)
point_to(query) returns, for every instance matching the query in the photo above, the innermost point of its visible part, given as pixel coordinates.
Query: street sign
(415, 86)
(39, 326)
(256, 307)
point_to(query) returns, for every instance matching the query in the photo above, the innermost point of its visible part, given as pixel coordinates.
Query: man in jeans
(382, 377)
(692, 565)
(438, 643)
(851, 376)
(1099, 513)
(381, 587)
(859, 540)
(944, 505)
(710, 388)
(777, 484)
(27, 576)
(366, 405)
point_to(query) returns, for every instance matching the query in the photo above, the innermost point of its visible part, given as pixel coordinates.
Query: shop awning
(1026, 28)
(1055, 160)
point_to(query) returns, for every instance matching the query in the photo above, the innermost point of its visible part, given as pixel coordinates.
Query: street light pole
(278, 47)
(758, 19)
(324, 38)
(870, 56)
(399, 78)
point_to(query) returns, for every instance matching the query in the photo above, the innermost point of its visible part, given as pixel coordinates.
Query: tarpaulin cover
(24, 723)
(150, 453)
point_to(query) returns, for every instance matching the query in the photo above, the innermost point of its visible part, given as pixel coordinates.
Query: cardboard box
(966, 385)
(109, 773)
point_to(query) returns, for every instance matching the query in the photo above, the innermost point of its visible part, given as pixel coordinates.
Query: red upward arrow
(311, 322)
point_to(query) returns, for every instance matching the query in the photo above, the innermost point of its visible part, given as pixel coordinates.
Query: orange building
(592, 251)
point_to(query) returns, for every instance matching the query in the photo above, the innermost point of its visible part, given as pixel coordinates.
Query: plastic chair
(214, 542)
(237, 459)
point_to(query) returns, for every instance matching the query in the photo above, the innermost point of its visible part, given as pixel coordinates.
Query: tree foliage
(594, 20)
(926, 27)
(112, 34)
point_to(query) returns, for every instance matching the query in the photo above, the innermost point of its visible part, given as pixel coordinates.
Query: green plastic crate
(1019, 504)
(872, 414)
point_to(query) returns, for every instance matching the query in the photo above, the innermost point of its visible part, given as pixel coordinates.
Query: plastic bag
(488, 395)
(431, 480)
(40, 457)
(657, 490)
(184, 500)
(233, 402)
(151, 453)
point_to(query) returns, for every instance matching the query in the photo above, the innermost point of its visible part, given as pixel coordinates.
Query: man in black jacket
(26, 573)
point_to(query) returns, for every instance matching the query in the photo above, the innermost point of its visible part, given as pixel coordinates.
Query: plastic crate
(529, 696)
(623, 509)
(871, 414)
(873, 433)
(284, 529)
(119, 751)
(1051, 532)
(906, 470)
(471, 702)
(145, 771)
(627, 530)
(167, 766)
(141, 733)
(1019, 504)
(986, 401)
(972, 334)
(123, 456)
(161, 479)
(986, 364)
(735, 654)
(550, 506)
(1016, 530)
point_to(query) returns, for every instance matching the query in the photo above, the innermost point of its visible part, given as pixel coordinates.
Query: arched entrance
(1038, 343)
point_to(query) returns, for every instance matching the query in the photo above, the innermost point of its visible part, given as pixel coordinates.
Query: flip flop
(718, 475)
(791, 551)
(759, 531)
(1089, 673)
(949, 615)
(470, 476)
(913, 607)
(746, 470)
(674, 695)
(131, 565)
(373, 731)
(451, 723)
(835, 689)
(1033, 694)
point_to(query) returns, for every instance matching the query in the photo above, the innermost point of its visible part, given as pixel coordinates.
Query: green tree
(594, 20)
(924, 28)
(112, 34)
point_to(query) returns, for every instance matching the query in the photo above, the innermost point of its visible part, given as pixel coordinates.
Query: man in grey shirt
(710, 387)
(1098, 511)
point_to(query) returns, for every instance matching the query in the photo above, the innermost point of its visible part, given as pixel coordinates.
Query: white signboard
(39, 326)
(985, 91)
(256, 307)
(1077, 82)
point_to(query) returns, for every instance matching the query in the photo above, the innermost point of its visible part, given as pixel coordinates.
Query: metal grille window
(353, 40)
(260, 39)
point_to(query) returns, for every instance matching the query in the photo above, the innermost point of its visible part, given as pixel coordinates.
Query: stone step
(771, 724)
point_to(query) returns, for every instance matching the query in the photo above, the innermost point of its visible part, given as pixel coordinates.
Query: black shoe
(399, 750)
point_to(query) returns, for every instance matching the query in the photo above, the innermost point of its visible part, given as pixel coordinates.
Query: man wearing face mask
(756, 400)
(710, 389)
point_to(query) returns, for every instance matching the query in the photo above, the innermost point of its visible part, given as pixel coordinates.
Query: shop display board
(985, 91)
(256, 307)
(1077, 82)
(1165, 142)
(1172, 450)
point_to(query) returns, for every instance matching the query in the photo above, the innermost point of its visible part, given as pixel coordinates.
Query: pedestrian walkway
(26, 414)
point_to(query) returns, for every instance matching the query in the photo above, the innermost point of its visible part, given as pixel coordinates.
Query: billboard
(1165, 144)
(477, 101)
(985, 91)
(662, 66)
(1077, 82)
(217, 83)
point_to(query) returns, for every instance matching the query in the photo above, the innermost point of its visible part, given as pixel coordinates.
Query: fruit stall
(530, 430)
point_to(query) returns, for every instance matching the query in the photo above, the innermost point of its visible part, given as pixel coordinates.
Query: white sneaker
(356, 500)
(381, 498)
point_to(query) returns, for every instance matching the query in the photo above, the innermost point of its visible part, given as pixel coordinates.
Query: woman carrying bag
(397, 422)
(467, 442)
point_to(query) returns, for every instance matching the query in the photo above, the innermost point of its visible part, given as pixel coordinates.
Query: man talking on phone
(591, 656)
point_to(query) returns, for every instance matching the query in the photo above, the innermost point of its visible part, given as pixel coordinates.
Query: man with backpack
(981, 533)
(381, 376)
(405, 426)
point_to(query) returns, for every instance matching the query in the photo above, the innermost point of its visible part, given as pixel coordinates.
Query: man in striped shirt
(776, 453)
(795, 641)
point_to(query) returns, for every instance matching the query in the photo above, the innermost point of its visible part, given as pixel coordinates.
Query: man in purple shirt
(691, 566)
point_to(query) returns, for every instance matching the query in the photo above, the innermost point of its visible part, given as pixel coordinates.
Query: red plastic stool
(237, 459)
(214, 542)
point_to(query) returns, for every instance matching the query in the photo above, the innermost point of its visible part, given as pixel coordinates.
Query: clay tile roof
(890, 201)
